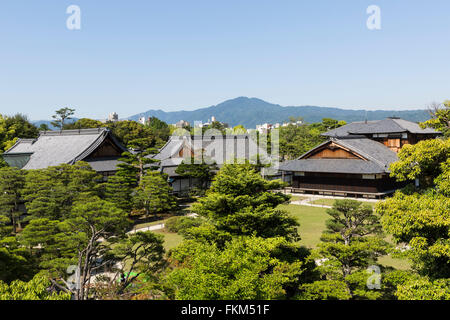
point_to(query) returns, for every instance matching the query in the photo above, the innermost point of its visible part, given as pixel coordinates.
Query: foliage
(84, 123)
(137, 162)
(51, 192)
(128, 131)
(13, 128)
(119, 190)
(324, 290)
(154, 194)
(422, 221)
(247, 268)
(139, 254)
(197, 169)
(12, 181)
(35, 289)
(295, 140)
(421, 161)
(182, 224)
(16, 262)
(240, 202)
(440, 118)
(351, 242)
(61, 116)
(424, 289)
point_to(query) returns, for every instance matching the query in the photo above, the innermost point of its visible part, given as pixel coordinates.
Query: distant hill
(38, 123)
(252, 111)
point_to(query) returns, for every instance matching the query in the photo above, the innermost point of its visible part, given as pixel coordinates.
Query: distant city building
(355, 160)
(210, 122)
(264, 128)
(142, 120)
(113, 117)
(182, 124)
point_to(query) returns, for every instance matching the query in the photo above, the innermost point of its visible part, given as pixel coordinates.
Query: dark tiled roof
(377, 157)
(53, 148)
(219, 148)
(379, 126)
(351, 166)
(104, 165)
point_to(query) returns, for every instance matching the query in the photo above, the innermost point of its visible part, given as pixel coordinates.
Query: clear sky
(132, 56)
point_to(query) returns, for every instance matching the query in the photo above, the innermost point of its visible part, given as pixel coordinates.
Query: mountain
(252, 111)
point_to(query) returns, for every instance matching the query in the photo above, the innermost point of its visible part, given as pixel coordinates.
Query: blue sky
(131, 56)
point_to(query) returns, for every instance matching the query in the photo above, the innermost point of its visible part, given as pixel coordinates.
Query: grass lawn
(298, 198)
(330, 202)
(312, 222)
(171, 240)
(400, 264)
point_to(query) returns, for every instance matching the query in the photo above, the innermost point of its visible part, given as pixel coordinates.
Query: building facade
(355, 160)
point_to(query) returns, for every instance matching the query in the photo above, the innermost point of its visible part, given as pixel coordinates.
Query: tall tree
(12, 181)
(351, 242)
(240, 202)
(138, 161)
(198, 168)
(153, 194)
(50, 193)
(61, 116)
(420, 218)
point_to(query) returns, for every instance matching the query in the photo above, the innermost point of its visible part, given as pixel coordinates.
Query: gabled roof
(53, 148)
(219, 148)
(389, 125)
(376, 158)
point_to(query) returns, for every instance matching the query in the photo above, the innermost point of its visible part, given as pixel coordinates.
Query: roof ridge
(102, 136)
(73, 132)
(366, 154)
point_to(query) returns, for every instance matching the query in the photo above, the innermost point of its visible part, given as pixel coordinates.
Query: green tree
(440, 118)
(153, 195)
(35, 289)
(51, 192)
(352, 241)
(44, 127)
(422, 221)
(13, 128)
(241, 202)
(61, 116)
(197, 168)
(84, 123)
(144, 256)
(16, 262)
(119, 190)
(424, 289)
(246, 268)
(420, 218)
(129, 131)
(84, 238)
(12, 181)
(421, 161)
(135, 163)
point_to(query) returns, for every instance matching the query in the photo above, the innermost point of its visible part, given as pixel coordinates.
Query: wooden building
(98, 147)
(355, 160)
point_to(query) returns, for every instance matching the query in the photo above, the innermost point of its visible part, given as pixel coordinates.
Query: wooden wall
(349, 183)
